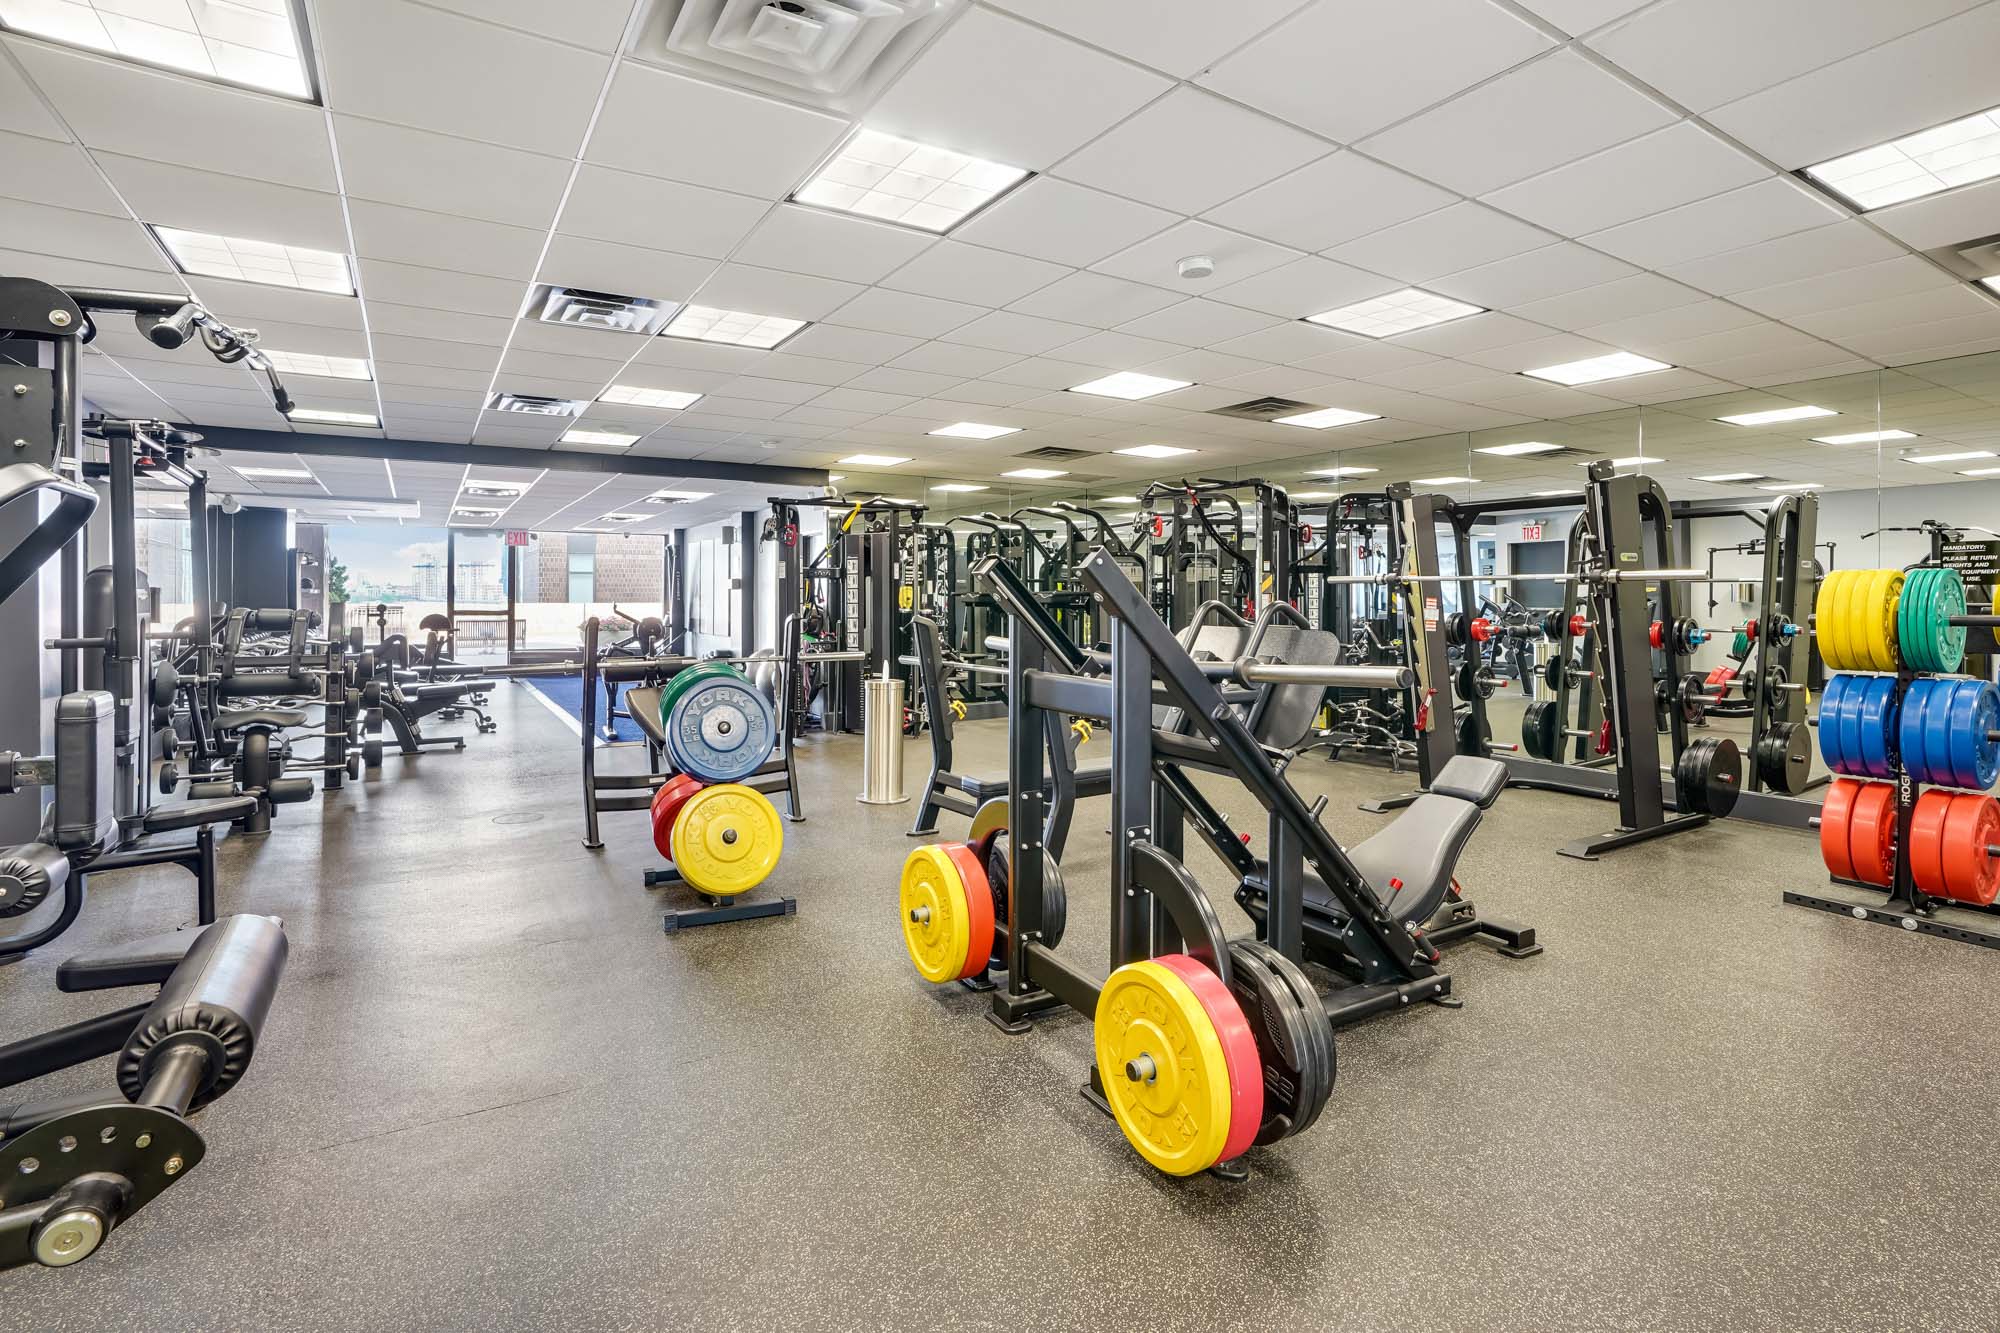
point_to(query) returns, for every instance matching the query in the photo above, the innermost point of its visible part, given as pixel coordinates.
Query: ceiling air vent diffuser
(1264, 409)
(1056, 451)
(534, 405)
(836, 53)
(601, 310)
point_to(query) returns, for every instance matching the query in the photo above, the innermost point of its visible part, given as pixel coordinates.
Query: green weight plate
(1740, 645)
(685, 680)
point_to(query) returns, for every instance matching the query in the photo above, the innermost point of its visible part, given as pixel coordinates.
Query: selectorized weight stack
(1890, 734)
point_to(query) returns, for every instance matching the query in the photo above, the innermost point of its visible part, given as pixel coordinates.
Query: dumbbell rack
(1907, 906)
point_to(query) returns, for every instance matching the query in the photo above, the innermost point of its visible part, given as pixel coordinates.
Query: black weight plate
(1472, 736)
(1319, 1065)
(1467, 679)
(1784, 757)
(1708, 777)
(1552, 625)
(1055, 898)
(1693, 702)
(1552, 672)
(1278, 1023)
(1541, 729)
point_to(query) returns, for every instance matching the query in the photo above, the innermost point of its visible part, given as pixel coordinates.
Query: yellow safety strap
(852, 514)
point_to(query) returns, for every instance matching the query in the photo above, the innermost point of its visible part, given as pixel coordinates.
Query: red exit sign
(1531, 532)
(517, 537)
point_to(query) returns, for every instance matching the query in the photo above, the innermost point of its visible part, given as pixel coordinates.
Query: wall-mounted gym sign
(1976, 559)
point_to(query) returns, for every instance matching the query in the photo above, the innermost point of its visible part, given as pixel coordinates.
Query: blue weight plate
(1971, 708)
(1877, 696)
(721, 730)
(1850, 727)
(1910, 731)
(1937, 735)
(1985, 752)
(1829, 723)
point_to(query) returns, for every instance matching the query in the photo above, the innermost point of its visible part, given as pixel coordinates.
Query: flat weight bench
(1409, 865)
(963, 793)
(74, 1168)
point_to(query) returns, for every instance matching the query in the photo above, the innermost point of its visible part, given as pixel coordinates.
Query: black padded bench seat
(280, 718)
(643, 704)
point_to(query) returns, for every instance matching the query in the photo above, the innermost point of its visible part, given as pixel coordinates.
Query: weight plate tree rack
(1907, 729)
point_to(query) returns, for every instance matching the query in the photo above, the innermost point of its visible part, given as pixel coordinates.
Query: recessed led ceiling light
(311, 363)
(475, 515)
(1789, 486)
(1398, 312)
(1865, 437)
(1774, 415)
(1634, 460)
(1957, 456)
(1326, 417)
(250, 44)
(709, 325)
(1444, 481)
(973, 430)
(870, 460)
(495, 490)
(668, 496)
(1153, 451)
(1313, 495)
(625, 518)
(1035, 473)
(602, 439)
(1119, 499)
(1917, 164)
(267, 262)
(1344, 470)
(273, 473)
(1517, 450)
(630, 395)
(319, 416)
(1616, 365)
(1130, 384)
(1991, 283)
(1733, 476)
(963, 487)
(1981, 472)
(1544, 495)
(880, 176)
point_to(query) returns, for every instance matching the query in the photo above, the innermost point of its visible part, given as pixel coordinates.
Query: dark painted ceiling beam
(487, 455)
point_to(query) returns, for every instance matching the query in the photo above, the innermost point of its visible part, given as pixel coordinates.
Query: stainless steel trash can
(882, 742)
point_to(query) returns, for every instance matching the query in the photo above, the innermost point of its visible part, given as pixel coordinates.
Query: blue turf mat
(566, 693)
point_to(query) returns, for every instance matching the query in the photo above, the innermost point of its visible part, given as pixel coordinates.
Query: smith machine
(853, 578)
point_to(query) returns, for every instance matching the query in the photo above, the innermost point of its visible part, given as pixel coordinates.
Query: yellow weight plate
(726, 839)
(935, 926)
(1882, 618)
(1163, 1068)
(990, 817)
(1826, 619)
(1853, 657)
(1863, 633)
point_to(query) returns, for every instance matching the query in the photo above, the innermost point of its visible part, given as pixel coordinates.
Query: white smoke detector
(1197, 266)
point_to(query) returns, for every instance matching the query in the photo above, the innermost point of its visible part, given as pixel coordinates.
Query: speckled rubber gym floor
(493, 1094)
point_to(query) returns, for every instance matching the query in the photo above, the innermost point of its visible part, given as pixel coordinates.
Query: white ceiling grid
(1605, 175)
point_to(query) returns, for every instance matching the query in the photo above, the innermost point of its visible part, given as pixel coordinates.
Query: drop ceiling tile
(433, 377)
(607, 205)
(1647, 175)
(1576, 17)
(1775, 206)
(1845, 287)
(955, 271)
(1200, 366)
(1673, 46)
(1048, 373)
(1417, 52)
(1537, 117)
(1895, 312)
(1943, 219)
(766, 291)
(803, 369)
(1022, 334)
(394, 164)
(749, 144)
(840, 343)
(1536, 275)
(1123, 350)
(992, 393)
(22, 110)
(408, 351)
(531, 334)
(414, 65)
(52, 172)
(916, 383)
(1288, 343)
(861, 400)
(441, 289)
(1324, 203)
(1914, 82)
(828, 245)
(1802, 254)
(1157, 259)
(1307, 286)
(1096, 299)
(146, 113)
(1011, 92)
(1637, 294)
(596, 24)
(906, 313)
(941, 358)
(1190, 151)
(628, 270)
(1198, 322)
(1178, 36)
(1446, 241)
(1366, 362)
(1656, 333)
(1553, 349)
(1064, 223)
(68, 234)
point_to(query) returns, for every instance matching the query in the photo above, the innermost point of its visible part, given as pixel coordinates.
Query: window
(582, 566)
